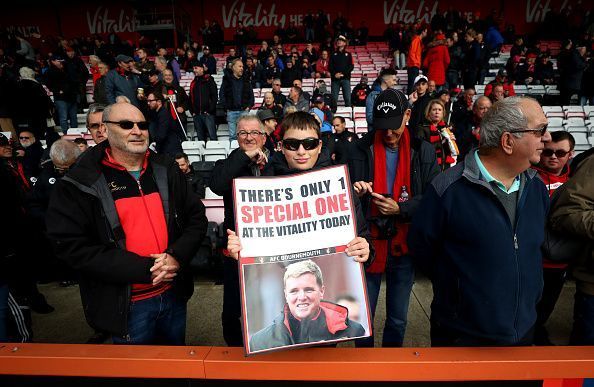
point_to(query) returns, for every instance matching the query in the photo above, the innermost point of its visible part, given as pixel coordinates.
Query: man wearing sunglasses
(479, 229)
(247, 160)
(553, 169)
(126, 219)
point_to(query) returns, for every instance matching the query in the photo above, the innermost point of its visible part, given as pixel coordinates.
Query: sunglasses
(293, 144)
(24, 138)
(126, 124)
(559, 153)
(539, 132)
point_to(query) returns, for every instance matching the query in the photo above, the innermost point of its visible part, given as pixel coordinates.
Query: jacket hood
(336, 316)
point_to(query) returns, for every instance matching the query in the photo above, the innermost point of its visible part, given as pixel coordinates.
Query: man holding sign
(247, 160)
(306, 316)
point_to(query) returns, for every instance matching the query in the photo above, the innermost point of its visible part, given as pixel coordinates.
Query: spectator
(32, 154)
(340, 67)
(177, 99)
(526, 71)
(100, 92)
(81, 144)
(323, 65)
(172, 63)
(387, 80)
(308, 23)
(77, 71)
(149, 276)
(290, 74)
(501, 79)
(123, 80)
(236, 95)
(203, 103)
(310, 53)
(493, 40)
(247, 160)
(343, 139)
(271, 72)
(208, 61)
(472, 59)
(231, 57)
(254, 72)
(95, 124)
(269, 123)
(505, 226)
(322, 89)
(518, 48)
(269, 104)
(572, 71)
(144, 65)
(264, 52)
(498, 93)
(544, 74)
(456, 62)
(572, 215)
(395, 171)
(553, 169)
(165, 131)
(413, 59)
(360, 92)
(279, 98)
(437, 60)
(296, 100)
(439, 133)
(65, 91)
(33, 106)
(299, 83)
(192, 177)
(468, 128)
(419, 99)
(25, 49)
(319, 103)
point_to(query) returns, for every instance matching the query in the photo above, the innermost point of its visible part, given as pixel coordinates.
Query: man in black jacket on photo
(203, 103)
(127, 220)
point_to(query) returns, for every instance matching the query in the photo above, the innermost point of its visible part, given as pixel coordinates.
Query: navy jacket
(487, 278)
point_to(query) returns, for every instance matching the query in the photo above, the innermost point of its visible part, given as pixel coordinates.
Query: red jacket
(437, 61)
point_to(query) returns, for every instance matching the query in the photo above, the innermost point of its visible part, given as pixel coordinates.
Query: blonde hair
(296, 270)
(430, 105)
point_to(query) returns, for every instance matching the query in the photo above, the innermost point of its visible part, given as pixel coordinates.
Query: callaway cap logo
(386, 106)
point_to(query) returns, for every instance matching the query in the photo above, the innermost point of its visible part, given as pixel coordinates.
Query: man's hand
(233, 244)
(164, 269)
(362, 188)
(358, 248)
(257, 156)
(412, 98)
(386, 206)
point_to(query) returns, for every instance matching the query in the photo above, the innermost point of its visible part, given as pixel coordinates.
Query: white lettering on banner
(259, 18)
(100, 23)
(400, 14)
(536, 12)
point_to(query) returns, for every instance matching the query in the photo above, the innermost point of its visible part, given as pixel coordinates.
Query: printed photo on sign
(304, 302)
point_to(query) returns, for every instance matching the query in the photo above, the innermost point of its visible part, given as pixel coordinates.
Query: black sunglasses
(293, 144)
(559, 153)
(539, 132)
(126, 124)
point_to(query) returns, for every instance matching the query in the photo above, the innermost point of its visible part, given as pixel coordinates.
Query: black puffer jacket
(83, 224)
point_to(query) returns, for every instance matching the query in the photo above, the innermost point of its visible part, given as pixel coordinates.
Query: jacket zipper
(149, 215)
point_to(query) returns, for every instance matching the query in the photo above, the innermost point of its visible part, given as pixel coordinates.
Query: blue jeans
(400, 275)
(412, 74)
(3, 312)
(583, 320)
(66, 112)
(232, 117)
(345, 85)
(156, 320)
(204, 124)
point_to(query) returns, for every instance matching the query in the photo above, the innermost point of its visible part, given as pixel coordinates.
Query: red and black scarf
(442, 152)
(397, 244)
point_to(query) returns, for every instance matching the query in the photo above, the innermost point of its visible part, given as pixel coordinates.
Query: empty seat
(575, 122)
(555, 121)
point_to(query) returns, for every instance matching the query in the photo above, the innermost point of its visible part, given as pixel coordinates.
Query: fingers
(231, 233)
(358, 248)
(362, 188)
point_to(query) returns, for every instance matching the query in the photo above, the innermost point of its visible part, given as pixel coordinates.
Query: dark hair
(158, 96)
(181, 155)
(299, 120)
(80, 140)
(561, 135)
(298, 90)
(340, 118)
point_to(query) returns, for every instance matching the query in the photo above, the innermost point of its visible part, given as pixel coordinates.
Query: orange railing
(556, 366)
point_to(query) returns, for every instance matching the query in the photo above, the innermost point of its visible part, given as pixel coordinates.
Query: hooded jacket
(203, 95)
(486, 272)
(83, 223)
(331, 323)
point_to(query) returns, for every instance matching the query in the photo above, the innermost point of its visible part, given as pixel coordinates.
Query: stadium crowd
(470, 188)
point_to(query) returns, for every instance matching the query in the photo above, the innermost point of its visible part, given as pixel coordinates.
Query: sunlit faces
(135, 140)
(436, 113)
(302, 159)
(168, 76)
(303, 295)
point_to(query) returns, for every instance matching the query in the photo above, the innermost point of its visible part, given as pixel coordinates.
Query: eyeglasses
(24, 138)
(293, 144)
(253, 133)
(94, 126)
(559, 153)
(539, 132)
(126, 124)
